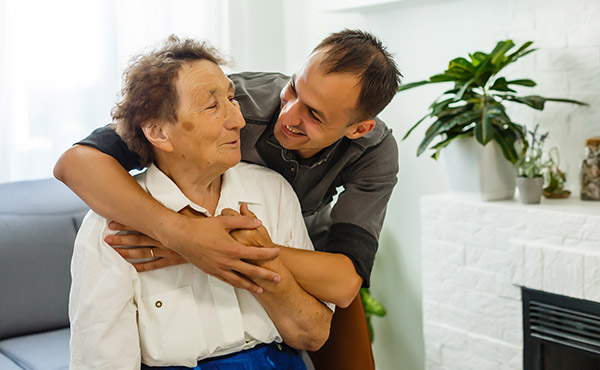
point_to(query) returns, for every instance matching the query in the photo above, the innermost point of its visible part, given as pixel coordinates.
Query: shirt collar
(163, 189)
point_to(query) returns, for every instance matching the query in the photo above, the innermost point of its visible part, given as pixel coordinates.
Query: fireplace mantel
(477, 255)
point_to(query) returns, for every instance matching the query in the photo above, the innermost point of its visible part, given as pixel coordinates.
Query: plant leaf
(507, 145)
(412, 84)
(566, 101)
(484, 131)
(461, 63)
(522, 82)
(442, 126)
(415, 126)
(519, 53)
(477, 58)
(443, 77)
(501, 85)
(536, 101)
(498, 54)
(463, 89)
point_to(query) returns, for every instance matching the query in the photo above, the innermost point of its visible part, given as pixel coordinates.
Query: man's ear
(157, 135)
(360, 129)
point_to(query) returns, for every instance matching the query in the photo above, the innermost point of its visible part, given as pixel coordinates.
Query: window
(61, 63)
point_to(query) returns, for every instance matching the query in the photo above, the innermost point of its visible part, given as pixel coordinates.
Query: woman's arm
(104, 331)
(301, 319)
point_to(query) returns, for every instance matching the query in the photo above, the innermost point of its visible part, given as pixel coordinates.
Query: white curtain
(61, 64)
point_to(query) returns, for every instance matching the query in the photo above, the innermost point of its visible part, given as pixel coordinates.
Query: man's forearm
(301, 319)
(330, 277)
(111, 192)
(108, 189)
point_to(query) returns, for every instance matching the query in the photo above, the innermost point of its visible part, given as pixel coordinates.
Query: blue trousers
(262, 357)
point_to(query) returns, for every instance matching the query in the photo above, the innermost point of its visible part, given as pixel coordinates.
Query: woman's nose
(234, 117)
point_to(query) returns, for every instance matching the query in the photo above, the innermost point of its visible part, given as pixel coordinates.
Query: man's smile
(293, 130)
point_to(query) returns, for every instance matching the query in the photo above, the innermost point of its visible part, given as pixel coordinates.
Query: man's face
(316, 108)
(209, 120)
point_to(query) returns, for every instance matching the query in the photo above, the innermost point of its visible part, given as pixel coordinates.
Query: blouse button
(158, 304)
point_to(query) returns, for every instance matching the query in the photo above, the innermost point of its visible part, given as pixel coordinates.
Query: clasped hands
(234, 247)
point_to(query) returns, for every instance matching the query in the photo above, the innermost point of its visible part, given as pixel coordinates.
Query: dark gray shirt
(364, 170)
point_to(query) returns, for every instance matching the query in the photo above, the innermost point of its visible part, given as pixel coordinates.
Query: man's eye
(232, 99)
(292, 86)
(312, 114)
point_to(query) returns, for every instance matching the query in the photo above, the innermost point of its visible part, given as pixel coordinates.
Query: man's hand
(206, 243)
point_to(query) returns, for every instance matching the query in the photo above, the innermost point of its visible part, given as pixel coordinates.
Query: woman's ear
(360, 129)
(157, 135)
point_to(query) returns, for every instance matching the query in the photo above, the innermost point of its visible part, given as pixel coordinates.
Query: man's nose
(290, 113)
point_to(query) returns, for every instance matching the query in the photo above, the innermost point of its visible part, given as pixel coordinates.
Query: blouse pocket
(170, 329)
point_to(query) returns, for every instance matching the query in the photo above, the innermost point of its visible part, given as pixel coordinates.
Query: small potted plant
(531, 167)
(555, 178)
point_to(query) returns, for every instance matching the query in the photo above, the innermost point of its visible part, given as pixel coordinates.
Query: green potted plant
(474, 108)
(554, 177)
(530, 169)
(372, 308)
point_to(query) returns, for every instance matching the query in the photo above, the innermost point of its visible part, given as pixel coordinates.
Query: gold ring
(152, 252)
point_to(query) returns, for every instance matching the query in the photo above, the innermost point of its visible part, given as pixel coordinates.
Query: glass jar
(590, 170)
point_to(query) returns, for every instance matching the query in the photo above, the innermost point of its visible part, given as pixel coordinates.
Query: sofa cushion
(46, 196)
(44, 351)
(38, 224)
(7, 364)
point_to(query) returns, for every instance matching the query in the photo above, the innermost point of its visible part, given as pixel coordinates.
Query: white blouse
(176, 315)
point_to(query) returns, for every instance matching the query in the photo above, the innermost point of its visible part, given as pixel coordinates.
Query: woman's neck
(201, 185)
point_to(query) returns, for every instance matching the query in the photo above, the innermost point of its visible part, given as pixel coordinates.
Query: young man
(321, 134)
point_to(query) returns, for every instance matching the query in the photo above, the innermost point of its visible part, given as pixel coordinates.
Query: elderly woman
(179, 114)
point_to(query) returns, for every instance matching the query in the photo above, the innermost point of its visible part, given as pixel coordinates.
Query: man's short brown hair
(361, 53)
(149, 92)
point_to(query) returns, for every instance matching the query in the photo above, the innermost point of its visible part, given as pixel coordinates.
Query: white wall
(424, 35)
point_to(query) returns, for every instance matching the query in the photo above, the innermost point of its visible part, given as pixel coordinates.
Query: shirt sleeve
(357, 216)
(106, 140)
(103, 315)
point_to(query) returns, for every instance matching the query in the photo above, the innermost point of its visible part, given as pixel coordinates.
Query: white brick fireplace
(477, 255)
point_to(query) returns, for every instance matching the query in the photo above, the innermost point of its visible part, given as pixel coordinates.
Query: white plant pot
(479, 171)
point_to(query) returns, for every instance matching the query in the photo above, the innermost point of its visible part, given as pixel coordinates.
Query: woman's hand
(258, 237)
(142, 246)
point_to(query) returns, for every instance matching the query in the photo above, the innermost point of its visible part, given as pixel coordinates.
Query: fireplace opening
(560, 333)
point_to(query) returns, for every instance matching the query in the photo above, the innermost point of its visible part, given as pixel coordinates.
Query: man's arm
(330, 277)
(337, 273)
(108, 189)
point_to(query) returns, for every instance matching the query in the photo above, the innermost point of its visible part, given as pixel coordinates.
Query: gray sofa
(38, 223)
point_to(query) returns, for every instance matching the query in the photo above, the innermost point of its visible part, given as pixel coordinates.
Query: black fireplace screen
(560, 333)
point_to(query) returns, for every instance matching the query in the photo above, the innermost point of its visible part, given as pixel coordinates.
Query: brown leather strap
(349, 344)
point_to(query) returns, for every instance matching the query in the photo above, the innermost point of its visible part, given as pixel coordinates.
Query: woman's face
(208, 118)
